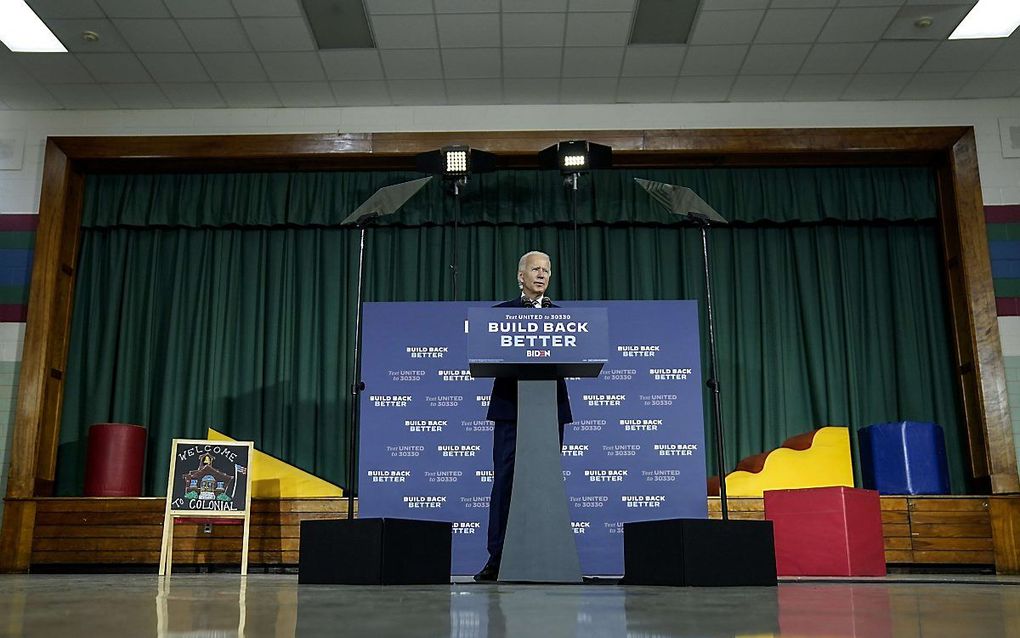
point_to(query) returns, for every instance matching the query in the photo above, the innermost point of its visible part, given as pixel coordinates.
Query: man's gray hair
(524, 259)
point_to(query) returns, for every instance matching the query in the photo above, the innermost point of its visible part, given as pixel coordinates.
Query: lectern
(536, 347)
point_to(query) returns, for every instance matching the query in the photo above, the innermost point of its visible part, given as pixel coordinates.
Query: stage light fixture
(455, 162)
(576, 156)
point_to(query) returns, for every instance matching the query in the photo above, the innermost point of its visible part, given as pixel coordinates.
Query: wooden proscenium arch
(949, 150)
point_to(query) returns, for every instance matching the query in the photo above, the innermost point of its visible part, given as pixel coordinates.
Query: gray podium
(539, 545)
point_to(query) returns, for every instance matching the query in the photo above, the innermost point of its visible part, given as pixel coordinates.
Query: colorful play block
(820, 458)
(827, 531)
(904, 457)
(272, 478)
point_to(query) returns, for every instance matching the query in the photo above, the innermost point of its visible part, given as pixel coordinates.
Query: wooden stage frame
(949, 151)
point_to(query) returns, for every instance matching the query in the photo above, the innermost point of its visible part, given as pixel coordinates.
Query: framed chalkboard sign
(208, 480)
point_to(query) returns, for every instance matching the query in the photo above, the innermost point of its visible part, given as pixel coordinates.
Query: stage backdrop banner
(634, 452)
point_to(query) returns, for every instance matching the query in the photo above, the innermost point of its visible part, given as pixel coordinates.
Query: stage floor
(275, 605)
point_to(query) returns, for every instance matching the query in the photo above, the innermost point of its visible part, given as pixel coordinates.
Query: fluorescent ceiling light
(989, 19)
(23, 32)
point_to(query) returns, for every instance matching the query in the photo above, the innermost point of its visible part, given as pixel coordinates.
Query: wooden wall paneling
(46, 309)
(1005, 524)
(981, 372)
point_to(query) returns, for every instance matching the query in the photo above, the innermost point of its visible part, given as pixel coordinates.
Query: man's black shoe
(488, 574)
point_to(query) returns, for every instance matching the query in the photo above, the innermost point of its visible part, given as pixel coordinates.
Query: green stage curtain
(181, 322)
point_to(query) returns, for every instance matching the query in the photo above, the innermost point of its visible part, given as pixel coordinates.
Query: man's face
(535, 276)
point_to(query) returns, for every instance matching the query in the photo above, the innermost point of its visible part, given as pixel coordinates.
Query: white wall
(1000, 177)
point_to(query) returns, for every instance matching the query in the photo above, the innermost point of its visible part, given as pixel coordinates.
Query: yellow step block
(826, 463)
(272, 478)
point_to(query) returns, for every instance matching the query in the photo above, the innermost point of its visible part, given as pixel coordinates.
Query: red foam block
(827, 531)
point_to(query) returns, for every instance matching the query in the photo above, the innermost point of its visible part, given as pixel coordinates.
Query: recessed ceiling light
(23, 32)
(989, 19)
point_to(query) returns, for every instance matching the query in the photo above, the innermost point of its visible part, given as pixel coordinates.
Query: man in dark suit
(533, 273)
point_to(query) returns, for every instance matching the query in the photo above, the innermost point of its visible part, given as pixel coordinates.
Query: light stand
(385, 201)
(454, 164)
(572, 158)
(709, 553)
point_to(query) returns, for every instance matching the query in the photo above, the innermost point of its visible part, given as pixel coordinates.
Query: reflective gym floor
(131, 605)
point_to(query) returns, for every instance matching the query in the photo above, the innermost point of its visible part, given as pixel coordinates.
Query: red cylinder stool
(115, 460)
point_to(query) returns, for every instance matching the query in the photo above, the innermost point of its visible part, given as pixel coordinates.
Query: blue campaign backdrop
(635, 450)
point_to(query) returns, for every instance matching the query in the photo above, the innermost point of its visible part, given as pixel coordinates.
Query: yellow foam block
(272, 478)
(825, 464)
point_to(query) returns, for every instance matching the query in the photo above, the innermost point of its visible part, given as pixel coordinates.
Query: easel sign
(208, 480)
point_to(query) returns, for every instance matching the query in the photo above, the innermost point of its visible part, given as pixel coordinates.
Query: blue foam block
(905, 457)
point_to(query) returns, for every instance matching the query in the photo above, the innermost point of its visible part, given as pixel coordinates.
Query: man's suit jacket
(503, 401)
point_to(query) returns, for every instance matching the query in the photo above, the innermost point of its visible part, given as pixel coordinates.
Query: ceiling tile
(934, 86)
(267, 8)
(467, 6)
(249, 94)
(194, 95)
(412, 64)
(990, 84)
(362, 93)
(729, 5)
(217, 35)
(200, 8)
(725, 27)
(588, 90)
(643, 90)
(897, 57)
(1007, 58)
(602, 5)
(836, 57)
(279, 34)
(531, 91)
(791, 25)
(48, 9)
(301, 66)
(857, 25)
(774, 59)
(137, 96)
(134, 8)
(471, 63)
(526, 6)
(174, 67)
(597, 29)
(713, 60)
(405, 32)
(352, 64)
(475, 30)
(153, 36)
(27, 97)
(877, 86)
(81, 96)
(593, 62)
(305, 94)
(69, 33)
(114, 68)
(13, 73)
(870, 3)
(474, 91)
(56, 68)
(802, 4)
(533, 29)
(379, 7)
(532, 63)
(760, 88)
(650, 61)
(704, 89)
(233, 67)
(817, 88)
(418, 92)
(961, 55)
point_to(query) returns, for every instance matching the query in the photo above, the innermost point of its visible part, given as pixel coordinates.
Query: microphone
(546, 302)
